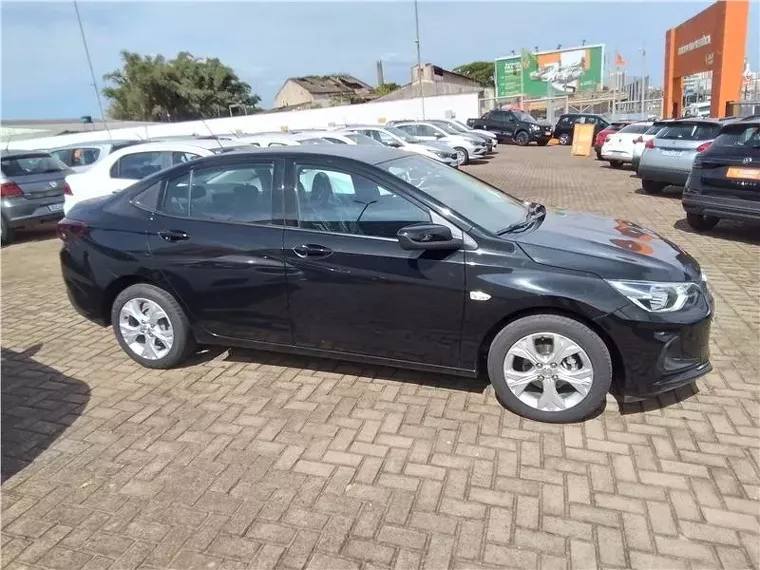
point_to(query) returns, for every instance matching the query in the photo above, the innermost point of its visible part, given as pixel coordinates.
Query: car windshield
(654, 129)
(690, 132)
(362, 139)
(477, 201)
(33, 163)
(406, 137)
(523, 116)
(458, 127)
(747, 137)
(445, 127)
(634, 129)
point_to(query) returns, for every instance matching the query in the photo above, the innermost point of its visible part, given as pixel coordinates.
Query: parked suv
(513, 126)
(467, 147)
(725, 179)
(32, 187)
(563, 130)
(669, 156)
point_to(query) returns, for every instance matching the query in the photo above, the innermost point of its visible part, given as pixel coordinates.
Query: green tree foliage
(480, 71)
(149, 88)
(385, 88)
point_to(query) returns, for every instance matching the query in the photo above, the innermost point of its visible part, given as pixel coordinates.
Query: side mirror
(439, 136)
(394, 144)
(427, 236)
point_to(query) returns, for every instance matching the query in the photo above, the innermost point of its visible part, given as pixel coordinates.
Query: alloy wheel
(146, 328)
(548, 371)
(461, 156)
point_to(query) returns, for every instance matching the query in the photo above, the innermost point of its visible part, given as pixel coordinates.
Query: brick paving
(249, 460)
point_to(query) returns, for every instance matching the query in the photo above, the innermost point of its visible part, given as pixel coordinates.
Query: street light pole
(643, 82)
(419, 58)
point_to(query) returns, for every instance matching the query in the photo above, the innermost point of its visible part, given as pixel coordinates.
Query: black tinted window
(148, 198)
(138, 165)
(239, 193)
(32, 163)
(690, 132)
(635, 129)
(339, 202)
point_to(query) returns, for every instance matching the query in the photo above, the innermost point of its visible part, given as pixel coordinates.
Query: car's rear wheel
(564, 139)
(462, 156)
(151, 327)
(616, 164)
(599, 155)
(6, 232)
(550, 368)
(701, 222)
(652, 187)
(522, 138)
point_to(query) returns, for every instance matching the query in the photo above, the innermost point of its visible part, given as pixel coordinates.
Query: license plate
(55, 207)
(748, 173)
(672, 152)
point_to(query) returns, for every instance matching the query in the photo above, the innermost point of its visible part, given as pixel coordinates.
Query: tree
(385, 88)
(149, 88)
(480, 71)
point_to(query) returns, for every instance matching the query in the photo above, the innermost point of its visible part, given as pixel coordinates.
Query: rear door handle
(312, 250)
(174, 235)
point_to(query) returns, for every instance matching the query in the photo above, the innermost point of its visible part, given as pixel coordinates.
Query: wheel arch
(618, 369)
(117, 286)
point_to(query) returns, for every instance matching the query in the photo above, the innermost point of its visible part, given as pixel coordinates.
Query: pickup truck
(513, 126)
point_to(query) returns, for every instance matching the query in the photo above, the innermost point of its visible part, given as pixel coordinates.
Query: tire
(588, 342)
(702, 223)
(652, 187)
(543, 142)
(183, 342)
(564, 139)
(522, 138)
(6, 232)
(462, 155)
(616, 164)
(599, 155)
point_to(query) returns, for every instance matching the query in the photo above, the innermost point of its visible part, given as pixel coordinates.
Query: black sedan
(381, 256)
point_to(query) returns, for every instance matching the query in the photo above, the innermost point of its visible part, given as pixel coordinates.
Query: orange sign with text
(583, 139)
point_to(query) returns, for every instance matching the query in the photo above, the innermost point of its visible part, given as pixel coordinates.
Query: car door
(427, 133)
(352, 288)
(215, 241)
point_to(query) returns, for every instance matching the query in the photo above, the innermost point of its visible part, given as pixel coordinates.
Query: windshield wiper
(536, 212)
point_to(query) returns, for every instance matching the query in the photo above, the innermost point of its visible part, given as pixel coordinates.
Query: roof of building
(332, 84)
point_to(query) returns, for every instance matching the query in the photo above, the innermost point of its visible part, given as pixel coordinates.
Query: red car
(614, 127)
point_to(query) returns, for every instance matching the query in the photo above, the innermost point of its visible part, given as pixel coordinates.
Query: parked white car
(488, 136)
(338, 137)
(467, 147)
(618, 147)
(81, 156)
(393, 137)
(639, 145)
(128, 165)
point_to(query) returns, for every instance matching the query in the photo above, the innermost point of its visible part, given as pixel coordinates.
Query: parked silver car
(81, 156)
(467, 147)
(32, 188)
(668, 157)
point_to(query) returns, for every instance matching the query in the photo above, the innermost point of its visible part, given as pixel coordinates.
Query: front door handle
(173, 235)
(311, 250)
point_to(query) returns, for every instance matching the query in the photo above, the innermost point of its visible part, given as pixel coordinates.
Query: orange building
(713, 40)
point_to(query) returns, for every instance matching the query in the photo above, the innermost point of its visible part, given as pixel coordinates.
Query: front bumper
(720, 207)
(675, 177)
(659, 356)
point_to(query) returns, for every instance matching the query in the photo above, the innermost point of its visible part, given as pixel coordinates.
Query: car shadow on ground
(672, 192)
(38, 405)
(320, 364)
(43, 232)
(623, 168)
(476, 161)
(662, 401)
(729, 230)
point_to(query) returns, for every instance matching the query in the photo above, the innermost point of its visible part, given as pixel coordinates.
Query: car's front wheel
(702, 223)
(616, 164)
(550, 368)
(151, 327)
(462, 155)
(522, 138)
(652, 187)
(564, 139)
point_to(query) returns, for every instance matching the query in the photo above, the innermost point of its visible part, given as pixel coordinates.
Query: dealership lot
(246, 459)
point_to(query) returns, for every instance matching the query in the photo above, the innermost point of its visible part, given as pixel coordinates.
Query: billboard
(550, 73)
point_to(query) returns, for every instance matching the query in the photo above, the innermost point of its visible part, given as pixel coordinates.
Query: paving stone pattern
(251, 460)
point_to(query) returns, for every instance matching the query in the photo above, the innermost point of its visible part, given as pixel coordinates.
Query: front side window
(182, 157)
(336, 201)
(409, 129)
(482, 204)
(84, 156)
(236, 193)
(359, 138)
(138, 165)
(32, 163)
(426, 131)
(334, 140)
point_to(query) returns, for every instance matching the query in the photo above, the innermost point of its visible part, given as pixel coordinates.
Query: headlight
(441, 154)
(657, 297)
(535, 127)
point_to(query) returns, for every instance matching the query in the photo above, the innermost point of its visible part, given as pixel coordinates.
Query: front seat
(327, 215)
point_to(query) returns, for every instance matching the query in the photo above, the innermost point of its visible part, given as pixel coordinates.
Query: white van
(698, 110)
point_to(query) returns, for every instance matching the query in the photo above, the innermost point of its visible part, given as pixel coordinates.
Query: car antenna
(216, 138)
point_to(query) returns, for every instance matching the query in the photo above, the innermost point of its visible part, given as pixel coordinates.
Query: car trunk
(729, 172)
(44, 185)
(676, 146)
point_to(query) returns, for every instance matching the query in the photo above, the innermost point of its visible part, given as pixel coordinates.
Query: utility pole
(92, 73)
(643, 82)
(419, 59)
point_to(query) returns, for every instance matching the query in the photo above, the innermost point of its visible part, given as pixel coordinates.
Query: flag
(619, 61)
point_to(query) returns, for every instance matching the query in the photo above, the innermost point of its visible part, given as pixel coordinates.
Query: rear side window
(138, 165)
(635, 129)
(748, 137)
(32, 163)
(690, 132)
(654, 129)
(334, 141)
(234, 193)
(84, 156)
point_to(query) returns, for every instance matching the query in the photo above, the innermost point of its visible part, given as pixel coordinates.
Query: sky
(44, 73)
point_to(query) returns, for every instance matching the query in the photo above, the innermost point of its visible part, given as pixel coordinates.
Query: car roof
(369, 154)
(96, 143)
(20, 153)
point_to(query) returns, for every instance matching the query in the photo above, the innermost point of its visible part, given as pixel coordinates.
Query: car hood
(435, 145)
(608, 247)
